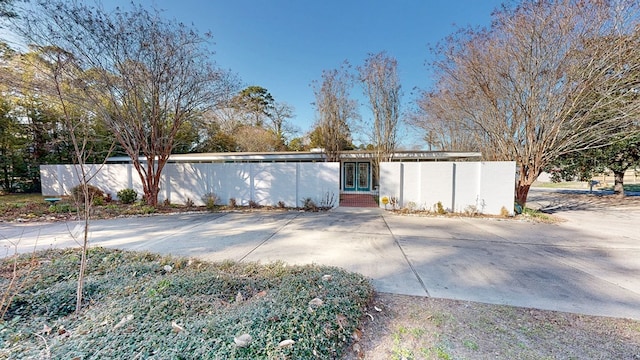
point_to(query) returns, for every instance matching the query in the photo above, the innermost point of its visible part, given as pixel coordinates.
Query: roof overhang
(303, 156)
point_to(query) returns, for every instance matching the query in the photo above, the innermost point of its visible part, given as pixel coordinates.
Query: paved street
(589, 264)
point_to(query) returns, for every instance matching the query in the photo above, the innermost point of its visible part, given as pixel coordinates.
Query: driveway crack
(406, 258)
(269, 237)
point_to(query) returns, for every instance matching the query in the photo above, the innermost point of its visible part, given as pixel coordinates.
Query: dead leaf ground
(409, 327)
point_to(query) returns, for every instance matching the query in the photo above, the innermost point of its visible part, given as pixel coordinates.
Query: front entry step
(358, 200)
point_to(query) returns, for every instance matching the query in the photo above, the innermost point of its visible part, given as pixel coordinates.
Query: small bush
(504, 212)
(328, 201)
(61, 208)
(112, 209)
(439, 208)
(127, 196)
(98, 201)
(232, 203)
(281, 204)
(210, 199)
(189, 203)
(393, 201)
(147, 209)
(140, 209)
(309, 205)
(94, 193)
(253, 204)
(471, 210)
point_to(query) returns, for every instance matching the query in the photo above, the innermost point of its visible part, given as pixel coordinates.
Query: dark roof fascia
(306, 156)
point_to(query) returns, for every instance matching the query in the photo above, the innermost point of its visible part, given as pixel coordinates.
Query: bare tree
(55, 73)
(443, 129)
(379, 77)
(335, 110)
(520, 86)
(6, 9)
(147, 76)
(255, 139)
(279, 125)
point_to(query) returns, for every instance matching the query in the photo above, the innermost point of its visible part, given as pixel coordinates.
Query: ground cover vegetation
(142, 305)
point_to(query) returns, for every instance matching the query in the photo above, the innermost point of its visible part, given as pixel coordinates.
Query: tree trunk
(618, 188)
(5, 173)
(152, 196)
(526, 176)
(522, 191)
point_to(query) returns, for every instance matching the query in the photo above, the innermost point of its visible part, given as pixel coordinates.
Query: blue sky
(283, 45)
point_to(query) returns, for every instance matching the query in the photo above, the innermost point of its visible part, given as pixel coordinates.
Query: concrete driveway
(589, 264)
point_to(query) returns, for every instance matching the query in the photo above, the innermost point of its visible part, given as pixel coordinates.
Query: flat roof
(306, 156)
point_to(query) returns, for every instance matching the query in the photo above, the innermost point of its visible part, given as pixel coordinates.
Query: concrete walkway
(589, 264)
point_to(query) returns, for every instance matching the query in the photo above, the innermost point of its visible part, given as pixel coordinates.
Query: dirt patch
(408, 327)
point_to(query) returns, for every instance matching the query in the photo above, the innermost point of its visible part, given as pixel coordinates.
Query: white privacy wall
(459, 186)
(264, 183)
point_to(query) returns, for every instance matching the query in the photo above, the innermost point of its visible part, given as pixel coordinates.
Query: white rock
(243, 340)
(285, 343)
(315, 302)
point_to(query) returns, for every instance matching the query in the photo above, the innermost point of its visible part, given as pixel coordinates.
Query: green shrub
(61, 208)
(439, 208)
(98, 201)
(94, 193)
(127, 196)
(111, 208)
(147, 209)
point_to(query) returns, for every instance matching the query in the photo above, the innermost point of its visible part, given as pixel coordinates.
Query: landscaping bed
(147, 306)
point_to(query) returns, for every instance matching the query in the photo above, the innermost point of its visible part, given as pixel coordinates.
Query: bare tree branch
(524, 89)
(144, 76)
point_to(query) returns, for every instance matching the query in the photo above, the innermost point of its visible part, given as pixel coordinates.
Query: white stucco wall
(264, 183)
(459, 186)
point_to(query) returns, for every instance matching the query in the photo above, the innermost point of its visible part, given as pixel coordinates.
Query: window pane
(363, 175)
(349, 175)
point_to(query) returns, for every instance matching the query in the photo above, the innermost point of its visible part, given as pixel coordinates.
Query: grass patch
(451, 329)
(627, 187)
(562, 185)
(20, 198)
(143, 305)
(538, 215)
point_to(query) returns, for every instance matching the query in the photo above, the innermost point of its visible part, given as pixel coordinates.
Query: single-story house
(416, 178)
